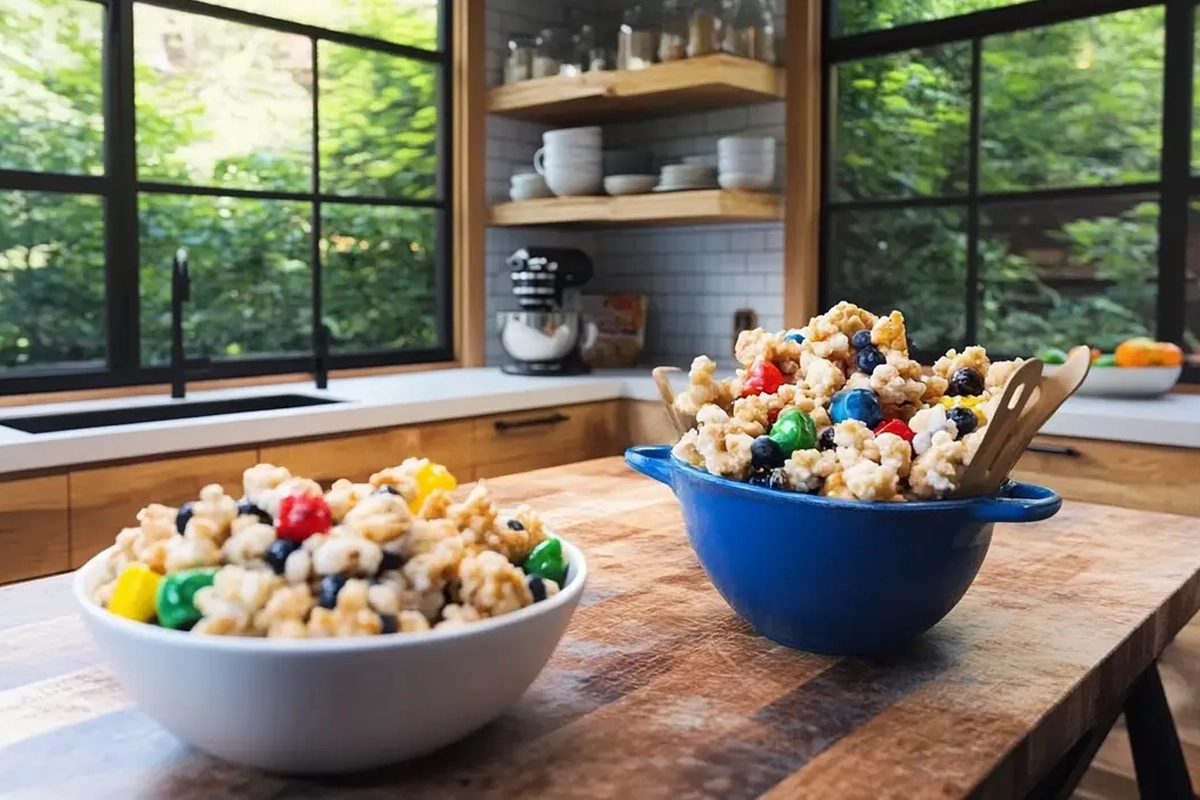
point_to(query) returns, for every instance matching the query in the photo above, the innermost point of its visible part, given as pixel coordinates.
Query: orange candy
(1143, 352)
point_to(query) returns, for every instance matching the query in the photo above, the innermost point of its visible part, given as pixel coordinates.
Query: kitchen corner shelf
(704, 206)
(676, 87)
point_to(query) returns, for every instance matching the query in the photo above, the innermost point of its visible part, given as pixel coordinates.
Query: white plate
(1126, 381)
(684, 187)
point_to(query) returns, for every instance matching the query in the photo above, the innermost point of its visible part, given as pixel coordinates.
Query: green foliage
(248, 127)
(1075, 104)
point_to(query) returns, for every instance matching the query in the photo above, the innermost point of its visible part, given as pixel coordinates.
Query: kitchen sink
(54, 423)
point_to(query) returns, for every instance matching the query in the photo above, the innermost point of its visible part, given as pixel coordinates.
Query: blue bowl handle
(653, 461)
(1018, 502)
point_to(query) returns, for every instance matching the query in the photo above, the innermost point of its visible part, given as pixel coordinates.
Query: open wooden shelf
(703, 206)
(676, 87)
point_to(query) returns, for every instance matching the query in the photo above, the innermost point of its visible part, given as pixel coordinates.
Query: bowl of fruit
(1138, 367)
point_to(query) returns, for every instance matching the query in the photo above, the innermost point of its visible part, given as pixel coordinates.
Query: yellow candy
(966, 402)
(133, 596)
(429, 477)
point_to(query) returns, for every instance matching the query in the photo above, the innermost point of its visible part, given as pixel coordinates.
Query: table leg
(1157, 757)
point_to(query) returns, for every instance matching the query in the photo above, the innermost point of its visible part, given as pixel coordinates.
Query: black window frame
(119, 188)
(1176, 185)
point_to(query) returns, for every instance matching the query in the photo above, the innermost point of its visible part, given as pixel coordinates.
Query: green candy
(794, 430)
(547, 561)
(1106, 360)
(175, 603)
(1052, 355)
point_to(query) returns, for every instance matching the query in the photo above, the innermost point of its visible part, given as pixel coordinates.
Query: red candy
(302, 515)
(763, 377)
(896, 426)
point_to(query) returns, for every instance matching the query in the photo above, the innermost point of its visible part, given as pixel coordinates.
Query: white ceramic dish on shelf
(327, 706)
(1129, 382)
(684, 187)
(618, 185)
(746, 181)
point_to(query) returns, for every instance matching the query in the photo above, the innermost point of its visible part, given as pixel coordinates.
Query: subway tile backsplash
(696, 277)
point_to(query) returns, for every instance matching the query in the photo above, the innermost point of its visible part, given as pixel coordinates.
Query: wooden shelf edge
(708, 81)
(705, 206)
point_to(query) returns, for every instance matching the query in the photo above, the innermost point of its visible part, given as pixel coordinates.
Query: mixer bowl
(543, 335)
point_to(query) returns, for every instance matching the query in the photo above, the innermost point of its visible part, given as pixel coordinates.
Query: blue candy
(794, 336)
(859, 404)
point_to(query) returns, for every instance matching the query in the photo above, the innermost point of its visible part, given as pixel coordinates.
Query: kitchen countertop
(658, 689)
(415, 397)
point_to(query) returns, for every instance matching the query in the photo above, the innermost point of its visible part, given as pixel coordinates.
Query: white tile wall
(695, 277)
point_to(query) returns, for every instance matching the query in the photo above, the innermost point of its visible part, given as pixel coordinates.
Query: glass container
(673, 39)
(518, 65)
(750, 29)
(553, 50)
(636, 40)
(705, 28)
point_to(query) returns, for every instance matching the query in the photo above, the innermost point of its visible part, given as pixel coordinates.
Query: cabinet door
(649, 423)
(356, 456)
(1115, 473)
(546, 437)
(34, 539)
(106, 499)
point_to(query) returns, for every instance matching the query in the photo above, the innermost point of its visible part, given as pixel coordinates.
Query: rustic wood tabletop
(659, 690)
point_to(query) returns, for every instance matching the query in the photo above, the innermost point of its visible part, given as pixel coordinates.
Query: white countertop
(404, 399)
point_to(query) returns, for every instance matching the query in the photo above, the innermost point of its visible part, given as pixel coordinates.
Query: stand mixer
(546, 335)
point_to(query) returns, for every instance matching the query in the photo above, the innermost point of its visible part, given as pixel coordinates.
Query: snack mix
(838, 408)
(394, 555)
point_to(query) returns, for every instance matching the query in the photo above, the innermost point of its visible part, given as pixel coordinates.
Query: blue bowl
(840, 577)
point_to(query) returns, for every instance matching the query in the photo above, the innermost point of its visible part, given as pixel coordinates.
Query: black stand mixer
(546, 335)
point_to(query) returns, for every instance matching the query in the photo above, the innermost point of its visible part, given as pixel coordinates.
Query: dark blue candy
(246, 508)
(869, 358)
(330, 586)
(386, 490)
(278, 552)
(765, 453)
(389, 622)
(825, 439)
(859, 404)
(515, 524)
(390, 561)
(861, 339)
(537, 588)
(964, 419)
(795, 336)
(183, 516)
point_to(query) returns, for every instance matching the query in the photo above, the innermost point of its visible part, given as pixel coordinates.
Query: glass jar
(553, 50)
(705, 28)
(673, 39)
(636, 40)
(518, 66)
(750, 29)
(583, 45)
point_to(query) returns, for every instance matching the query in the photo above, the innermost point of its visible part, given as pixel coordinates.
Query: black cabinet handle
(1054, 450)
(550, 419)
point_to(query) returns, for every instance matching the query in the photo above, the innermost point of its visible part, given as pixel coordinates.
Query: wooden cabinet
(546, 437)
(34, 532)
(1116, 473)
(106, 499)
(648, 423)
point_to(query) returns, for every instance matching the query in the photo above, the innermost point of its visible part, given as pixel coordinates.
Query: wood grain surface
(659, 690)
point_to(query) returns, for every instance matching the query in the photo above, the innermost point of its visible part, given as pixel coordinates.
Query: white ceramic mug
(583, 159)
(576, 137)
(732, 145)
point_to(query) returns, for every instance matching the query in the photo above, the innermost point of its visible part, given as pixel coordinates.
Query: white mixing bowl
(325, 706)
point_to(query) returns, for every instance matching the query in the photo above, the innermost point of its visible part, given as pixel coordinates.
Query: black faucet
(321, 355)
(181, 292)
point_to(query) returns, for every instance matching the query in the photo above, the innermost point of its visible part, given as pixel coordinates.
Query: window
(298, 152)
(1009, 173)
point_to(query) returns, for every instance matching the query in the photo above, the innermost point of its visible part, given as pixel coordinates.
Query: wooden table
(659, 690)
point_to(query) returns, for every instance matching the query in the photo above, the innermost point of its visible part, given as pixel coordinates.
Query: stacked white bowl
(570, 161)
(746, 162)
(528, 186)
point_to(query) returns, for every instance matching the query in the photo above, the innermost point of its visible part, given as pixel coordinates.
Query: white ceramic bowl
(588, 137)
(746, 181)
(522, 193)
(566, 182)
(1126, 381)
(629, 184)
(328, 706)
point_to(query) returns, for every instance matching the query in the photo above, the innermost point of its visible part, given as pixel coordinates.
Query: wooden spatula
(682, 422)
(983, 475)
(1052, 392)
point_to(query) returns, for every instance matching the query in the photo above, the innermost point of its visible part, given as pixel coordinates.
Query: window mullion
(319, 341)
(120, 220)
(1176, 169)
(974, 146)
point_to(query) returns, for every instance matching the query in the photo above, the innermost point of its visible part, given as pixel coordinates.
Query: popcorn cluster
(398, 554)
(839, 408)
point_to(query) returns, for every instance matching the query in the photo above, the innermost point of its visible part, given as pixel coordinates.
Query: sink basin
(54, 423)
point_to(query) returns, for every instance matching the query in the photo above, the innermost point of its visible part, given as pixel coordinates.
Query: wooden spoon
(1052, 393)
(682, 422)
(983, 475)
